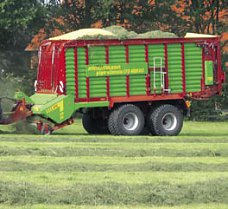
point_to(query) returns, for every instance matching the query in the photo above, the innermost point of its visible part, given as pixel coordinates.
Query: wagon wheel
(165, 120)
(94, 125)
(127, 119)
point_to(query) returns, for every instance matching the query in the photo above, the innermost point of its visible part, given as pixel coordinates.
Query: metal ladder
(161, 72)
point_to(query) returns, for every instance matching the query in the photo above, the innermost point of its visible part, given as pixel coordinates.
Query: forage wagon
(122, 87)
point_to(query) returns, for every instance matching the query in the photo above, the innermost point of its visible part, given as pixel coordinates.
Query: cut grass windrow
(114, 160)
(68, 151)
(68, 178)
(111, 193)
(71, 167)
(113, 149)
(113, 139)
(116, 145)
(96, 163)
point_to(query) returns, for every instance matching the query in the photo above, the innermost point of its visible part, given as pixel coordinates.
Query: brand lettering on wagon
(56, 106)
(120, 69)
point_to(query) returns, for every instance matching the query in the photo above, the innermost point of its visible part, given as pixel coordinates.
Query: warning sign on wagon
(118, 69)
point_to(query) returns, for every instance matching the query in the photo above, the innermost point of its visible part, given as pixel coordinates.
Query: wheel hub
(130, 121)
(169, 121)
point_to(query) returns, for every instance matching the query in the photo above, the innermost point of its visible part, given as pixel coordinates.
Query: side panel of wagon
(170, 69)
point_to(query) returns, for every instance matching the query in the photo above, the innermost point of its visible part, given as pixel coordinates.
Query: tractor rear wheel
(127, 119)
(165, 120)
(94, 125)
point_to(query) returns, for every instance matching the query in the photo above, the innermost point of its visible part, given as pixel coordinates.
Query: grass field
(71, 169)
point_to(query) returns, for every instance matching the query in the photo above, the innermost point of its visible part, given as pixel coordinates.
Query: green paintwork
(19, 95)
(157, 60)
(209, 80)
(193, 67)
(175, 68)
(70, 66)
(42, 99)
(117, 82)
(156, 57)
(116, 69)
(57, 108)
(137, 82)
(97, 56)
(91, 104)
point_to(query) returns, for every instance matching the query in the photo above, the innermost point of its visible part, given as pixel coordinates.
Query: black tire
(111, 124)
(149, 123)
(94, 125)
(127, 120)
(165, 120)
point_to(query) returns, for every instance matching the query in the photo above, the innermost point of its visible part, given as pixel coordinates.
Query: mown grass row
(60, 179)
(123, 150)
(112, 193)
(112, 139)
(115, 145)
(113, 160)
(105, 164)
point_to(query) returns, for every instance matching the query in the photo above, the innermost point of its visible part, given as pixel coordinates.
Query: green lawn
(71, 169)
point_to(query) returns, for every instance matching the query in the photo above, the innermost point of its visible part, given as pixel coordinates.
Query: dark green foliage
(206, 110)
(9, 84)
(15, 73)
(14, 61)
(77, 14)
(162, 14)
(18, 22)
(199, 10)
(8, 87)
